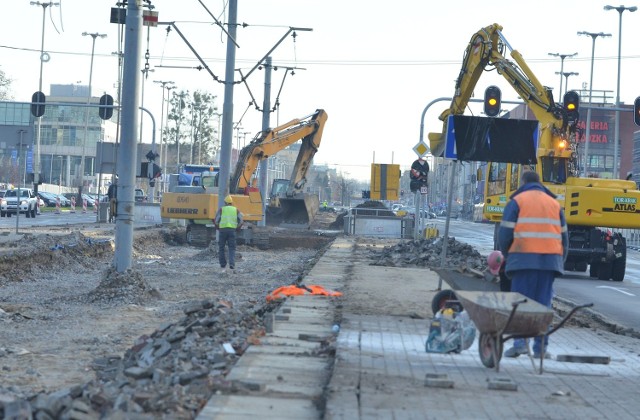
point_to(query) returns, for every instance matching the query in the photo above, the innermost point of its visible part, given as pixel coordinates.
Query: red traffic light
(492, 97)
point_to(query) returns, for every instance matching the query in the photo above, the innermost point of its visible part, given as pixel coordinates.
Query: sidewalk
(381, 366)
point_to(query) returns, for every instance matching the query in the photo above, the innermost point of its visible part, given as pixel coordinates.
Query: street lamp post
(587, 139)
(616, 138)
(562, 57)
(165, 85)
(178, 122)
(44, 57)
(93, 36)
(566, 77)
(145, 74)
(60, 177)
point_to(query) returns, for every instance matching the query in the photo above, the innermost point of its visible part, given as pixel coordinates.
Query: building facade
(69, 132)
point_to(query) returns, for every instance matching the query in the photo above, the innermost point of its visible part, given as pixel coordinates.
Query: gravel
(79, 340)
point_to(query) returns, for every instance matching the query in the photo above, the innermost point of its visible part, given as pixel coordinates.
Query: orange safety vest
(538, 229)
(299, 290)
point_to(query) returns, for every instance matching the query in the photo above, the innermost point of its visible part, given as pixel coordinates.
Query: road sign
(483, 139)
(149, 18)
(421, 148)
(424, 189)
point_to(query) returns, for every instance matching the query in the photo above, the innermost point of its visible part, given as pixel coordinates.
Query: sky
(374, 66)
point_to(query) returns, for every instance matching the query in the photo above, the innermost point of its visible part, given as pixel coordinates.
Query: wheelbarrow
(501, 316)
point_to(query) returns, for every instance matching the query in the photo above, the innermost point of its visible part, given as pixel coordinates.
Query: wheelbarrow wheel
(441, 298)
(486, 344)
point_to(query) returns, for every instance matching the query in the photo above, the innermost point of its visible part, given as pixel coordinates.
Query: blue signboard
(29, 161)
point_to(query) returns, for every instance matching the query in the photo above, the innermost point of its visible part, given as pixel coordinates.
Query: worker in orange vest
(534, 240)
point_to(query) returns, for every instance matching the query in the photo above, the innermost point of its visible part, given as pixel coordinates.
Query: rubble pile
(428, 253)
(170, 374)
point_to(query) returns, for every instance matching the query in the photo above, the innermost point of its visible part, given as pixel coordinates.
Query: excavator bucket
(298, 212)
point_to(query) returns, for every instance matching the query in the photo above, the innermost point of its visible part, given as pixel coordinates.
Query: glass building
(69, 131)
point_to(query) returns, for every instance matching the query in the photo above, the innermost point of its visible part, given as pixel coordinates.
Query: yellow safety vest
(228, 217)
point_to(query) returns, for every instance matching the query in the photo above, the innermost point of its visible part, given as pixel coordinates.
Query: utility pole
(164, 85)
(145, 75)
(127, 152)
(44, 57)
(266, 106)
(86, 112)
(227, 109)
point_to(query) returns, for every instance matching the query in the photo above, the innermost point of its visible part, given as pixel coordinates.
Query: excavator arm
(268, 143)
(486, 52)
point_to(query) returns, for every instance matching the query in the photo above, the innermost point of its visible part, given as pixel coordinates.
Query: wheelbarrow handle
(518, 302)
(569, 315)
(514, 307)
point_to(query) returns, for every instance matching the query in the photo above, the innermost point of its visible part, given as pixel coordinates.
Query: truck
(594, 208)
(198, 204)
(22, 200)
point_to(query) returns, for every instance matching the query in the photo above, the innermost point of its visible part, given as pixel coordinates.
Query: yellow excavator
(198, 204)
(288, 205)
(593, 207)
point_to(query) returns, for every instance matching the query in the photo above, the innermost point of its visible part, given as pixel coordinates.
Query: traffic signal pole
(127, 151)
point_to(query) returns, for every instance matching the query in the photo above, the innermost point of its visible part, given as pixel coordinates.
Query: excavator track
(198, 235)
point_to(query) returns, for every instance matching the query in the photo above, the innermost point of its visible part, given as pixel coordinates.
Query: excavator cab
(554, 169)
(295, 211)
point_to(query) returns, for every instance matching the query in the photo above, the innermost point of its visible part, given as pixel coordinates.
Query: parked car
(64, 201)
(85, 196)
(12, 203)
(139, 195)
(48, 199)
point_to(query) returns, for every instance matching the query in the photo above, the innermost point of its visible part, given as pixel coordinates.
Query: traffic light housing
(37, 104)
(636, 111)
(106, 107)
(492, 101)
(156, 171)
(571, 104)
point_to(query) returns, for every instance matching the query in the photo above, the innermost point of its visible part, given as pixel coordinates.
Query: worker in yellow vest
(228, 220)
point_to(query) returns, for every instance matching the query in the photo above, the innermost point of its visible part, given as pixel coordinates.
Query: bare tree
(191, 135)
(5, 86)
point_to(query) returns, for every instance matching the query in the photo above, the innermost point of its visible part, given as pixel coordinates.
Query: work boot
(547, 355)
(515, 351)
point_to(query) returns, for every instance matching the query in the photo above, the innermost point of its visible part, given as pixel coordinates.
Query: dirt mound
(129, 288)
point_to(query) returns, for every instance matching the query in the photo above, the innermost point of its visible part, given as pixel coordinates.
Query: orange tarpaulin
(299, 290)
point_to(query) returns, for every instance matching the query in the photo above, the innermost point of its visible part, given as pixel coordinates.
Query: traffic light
(492, 96)
(156, 171)
(37, 104)
(571, 104)
(106, 107)
(636, 111)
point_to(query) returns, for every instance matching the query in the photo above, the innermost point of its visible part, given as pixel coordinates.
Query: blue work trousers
(536, 285)
(227, 236)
